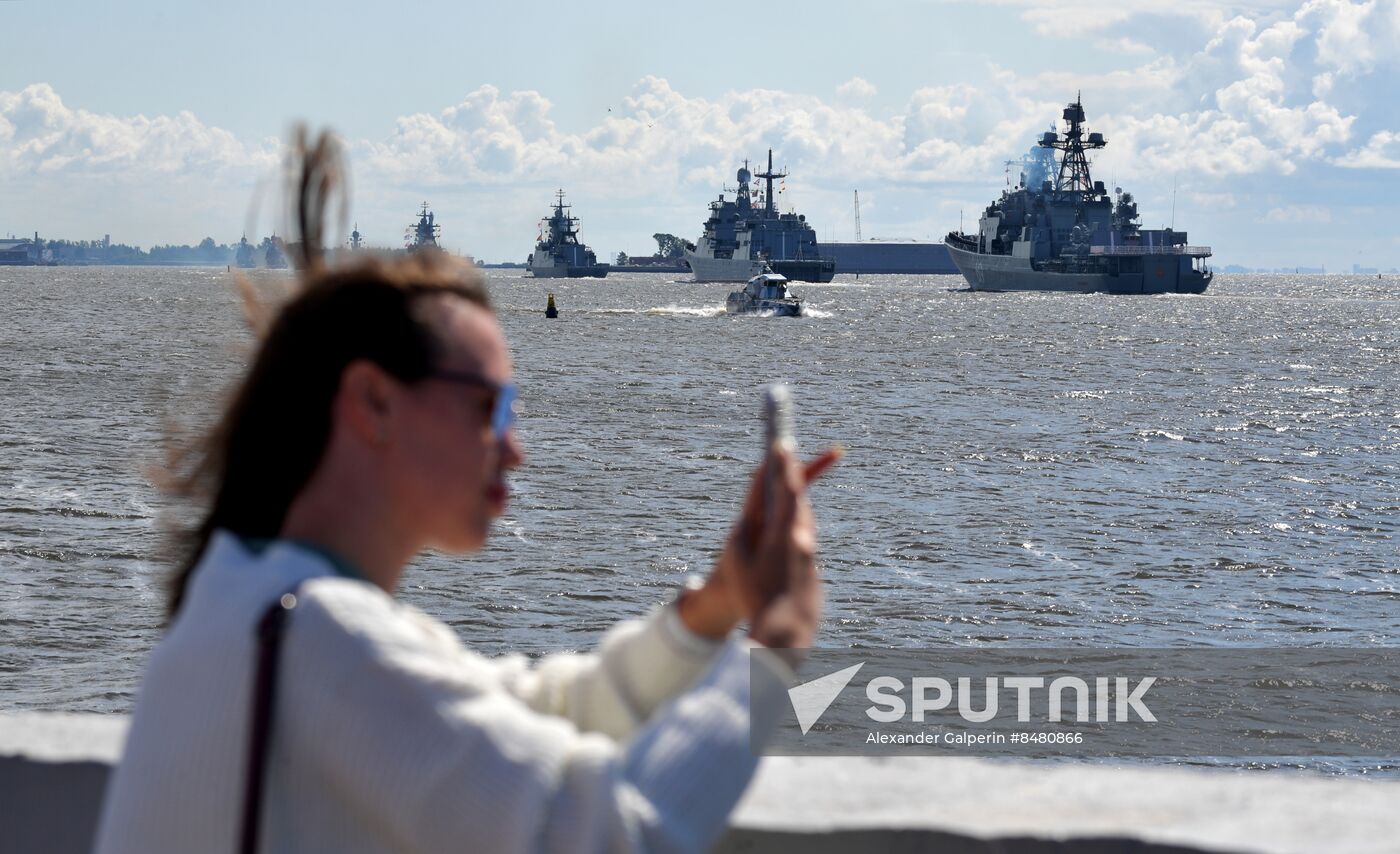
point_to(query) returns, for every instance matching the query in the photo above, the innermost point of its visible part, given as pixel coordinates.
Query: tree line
(205, 253)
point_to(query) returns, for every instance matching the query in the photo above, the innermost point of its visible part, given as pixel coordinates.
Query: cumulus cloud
(1382, 151)
(1075, 18)
(1355, 37)
(1124, 45)
(659, 137)
(1197, 89)
(42, 135)
(1299, 214)
(855, 90)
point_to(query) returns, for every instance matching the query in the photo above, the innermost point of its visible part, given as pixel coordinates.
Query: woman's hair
(273, 432)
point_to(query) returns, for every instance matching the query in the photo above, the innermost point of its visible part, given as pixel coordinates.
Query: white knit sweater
(388, 735)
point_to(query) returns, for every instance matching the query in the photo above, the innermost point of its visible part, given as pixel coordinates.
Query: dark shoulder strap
(269, 641)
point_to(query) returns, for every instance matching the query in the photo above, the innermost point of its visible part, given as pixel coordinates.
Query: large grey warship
(741, 240)
(1068, 234)
(559, 254)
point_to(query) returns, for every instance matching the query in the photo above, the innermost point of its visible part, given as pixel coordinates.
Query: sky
(1269, 129)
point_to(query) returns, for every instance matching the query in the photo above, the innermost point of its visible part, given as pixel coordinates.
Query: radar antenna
(1074, 167)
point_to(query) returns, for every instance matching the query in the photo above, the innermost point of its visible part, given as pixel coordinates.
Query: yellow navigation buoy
(550, 310)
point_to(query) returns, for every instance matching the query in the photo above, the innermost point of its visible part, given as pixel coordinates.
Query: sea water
(1021, 469)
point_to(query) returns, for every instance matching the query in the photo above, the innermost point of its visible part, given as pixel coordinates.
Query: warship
(740, 238)
(1058, 230)
(243, 255)
(423, 234)
(558, 254)
(274, 253)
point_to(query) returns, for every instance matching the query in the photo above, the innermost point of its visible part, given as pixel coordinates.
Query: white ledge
(53, 767)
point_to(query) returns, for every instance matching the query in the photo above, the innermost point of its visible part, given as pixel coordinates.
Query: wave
(686, 311)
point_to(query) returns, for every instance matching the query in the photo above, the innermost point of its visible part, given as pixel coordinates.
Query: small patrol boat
(766, 293)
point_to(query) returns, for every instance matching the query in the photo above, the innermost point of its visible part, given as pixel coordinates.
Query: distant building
(1360, 270)
(22, 252)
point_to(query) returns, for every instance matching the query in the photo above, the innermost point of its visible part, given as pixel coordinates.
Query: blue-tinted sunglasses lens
(503, 416)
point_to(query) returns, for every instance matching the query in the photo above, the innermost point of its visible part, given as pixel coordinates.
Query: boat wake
(686, 311)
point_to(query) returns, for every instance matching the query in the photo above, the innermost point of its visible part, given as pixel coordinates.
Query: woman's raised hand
(767, 571)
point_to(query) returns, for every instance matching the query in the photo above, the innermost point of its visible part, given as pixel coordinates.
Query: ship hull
(548, 265)
(707, 269)
(741, 303)
(805, 270)
(1160, 275)
(595, 272)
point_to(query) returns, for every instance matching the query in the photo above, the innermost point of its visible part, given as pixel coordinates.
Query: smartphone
(777, 417)
(777, 428)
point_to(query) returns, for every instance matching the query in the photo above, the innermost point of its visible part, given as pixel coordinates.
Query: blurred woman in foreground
(375, 422)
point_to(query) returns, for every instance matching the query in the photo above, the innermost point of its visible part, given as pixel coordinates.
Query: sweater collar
(337, 562)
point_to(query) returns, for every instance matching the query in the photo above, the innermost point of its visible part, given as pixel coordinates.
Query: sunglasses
(503, 407)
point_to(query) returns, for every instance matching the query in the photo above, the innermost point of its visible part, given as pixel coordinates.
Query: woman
(375, 422)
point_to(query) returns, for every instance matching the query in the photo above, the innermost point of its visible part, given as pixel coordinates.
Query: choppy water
(1023, 469)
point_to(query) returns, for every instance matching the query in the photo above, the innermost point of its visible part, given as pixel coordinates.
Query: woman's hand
(767, 571)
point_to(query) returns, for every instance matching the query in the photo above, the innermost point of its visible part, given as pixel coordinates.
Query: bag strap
(269, 640)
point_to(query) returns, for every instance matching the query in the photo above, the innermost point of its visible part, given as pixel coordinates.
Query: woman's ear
(365, 401)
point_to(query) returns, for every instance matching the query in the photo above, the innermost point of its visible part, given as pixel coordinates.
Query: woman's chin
(465, 539)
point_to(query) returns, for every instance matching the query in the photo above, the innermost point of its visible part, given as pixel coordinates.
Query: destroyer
(766, 293)
(1067, 234)
(558, 254)
(740, 238)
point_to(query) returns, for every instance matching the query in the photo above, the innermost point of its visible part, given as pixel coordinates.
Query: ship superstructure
(423, 234)
(741, 238)
(558, 253)
(1059, 230)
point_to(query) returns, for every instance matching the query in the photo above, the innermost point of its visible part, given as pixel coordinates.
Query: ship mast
(741, 196)
(768, 178)
(562, 225)
(1074, 167)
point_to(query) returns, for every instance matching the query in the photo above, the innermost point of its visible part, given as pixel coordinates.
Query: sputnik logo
(810, 700)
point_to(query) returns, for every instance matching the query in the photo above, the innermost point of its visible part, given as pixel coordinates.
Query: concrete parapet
(53, 768)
